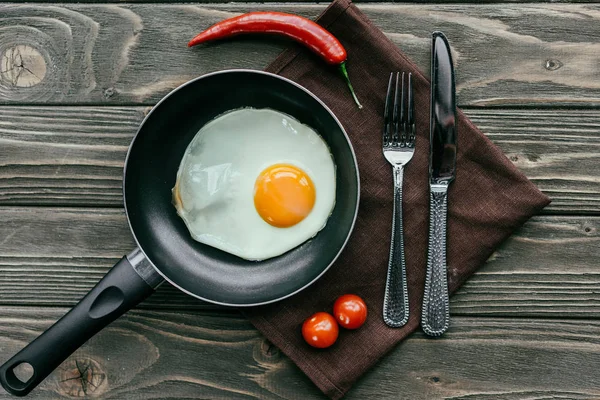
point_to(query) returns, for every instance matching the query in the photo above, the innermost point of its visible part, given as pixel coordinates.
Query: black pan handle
(129, 282)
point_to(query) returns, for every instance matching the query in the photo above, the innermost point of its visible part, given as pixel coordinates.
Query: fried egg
(255, 183)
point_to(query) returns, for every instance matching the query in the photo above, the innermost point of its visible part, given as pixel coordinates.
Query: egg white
(214, 193)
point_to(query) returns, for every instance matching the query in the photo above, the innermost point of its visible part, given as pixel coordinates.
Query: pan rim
(322, 104)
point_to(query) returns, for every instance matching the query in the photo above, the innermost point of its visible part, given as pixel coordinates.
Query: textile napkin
(489, 199)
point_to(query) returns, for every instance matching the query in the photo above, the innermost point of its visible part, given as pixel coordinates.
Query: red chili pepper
(295, 27)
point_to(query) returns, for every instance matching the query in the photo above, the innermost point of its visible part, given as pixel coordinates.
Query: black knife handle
(395, 303)
(435, 315)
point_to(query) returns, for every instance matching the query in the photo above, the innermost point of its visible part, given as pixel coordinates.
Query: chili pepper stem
(345, 74)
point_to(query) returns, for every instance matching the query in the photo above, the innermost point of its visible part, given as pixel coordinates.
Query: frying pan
(166, 250)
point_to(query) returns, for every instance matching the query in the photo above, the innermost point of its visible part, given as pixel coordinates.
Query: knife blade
(435, 314)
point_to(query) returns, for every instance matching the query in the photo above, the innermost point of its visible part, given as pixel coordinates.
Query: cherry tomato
(320, 330)
(350, 311)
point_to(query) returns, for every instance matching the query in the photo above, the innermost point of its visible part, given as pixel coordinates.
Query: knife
(435, 314)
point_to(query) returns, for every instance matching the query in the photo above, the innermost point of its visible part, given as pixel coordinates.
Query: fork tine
(387, 118)
(403, 116)
(410, 122)
(398, 114)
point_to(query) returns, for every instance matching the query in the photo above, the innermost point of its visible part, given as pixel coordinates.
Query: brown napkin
(489, 199)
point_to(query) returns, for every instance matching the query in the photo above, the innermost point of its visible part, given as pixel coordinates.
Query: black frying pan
(166, 250)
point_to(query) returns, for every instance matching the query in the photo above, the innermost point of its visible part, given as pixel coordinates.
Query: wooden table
(77, 79)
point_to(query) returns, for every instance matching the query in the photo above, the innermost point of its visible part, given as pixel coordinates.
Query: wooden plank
(535, 54)
(558, 150)
(548, 268)
(65, 155)
(74, 155)
(53, 256)
(179, 355)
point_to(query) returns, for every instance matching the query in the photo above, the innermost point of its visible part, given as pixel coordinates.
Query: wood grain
(73, 156)
(53, 256)
(181, 355)
(535, 54)
(557, 149)
(77, 79)
(65, 155)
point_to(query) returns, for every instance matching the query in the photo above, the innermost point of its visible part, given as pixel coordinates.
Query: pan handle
(127, 284)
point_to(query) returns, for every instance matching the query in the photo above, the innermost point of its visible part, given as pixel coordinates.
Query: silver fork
(398, 149)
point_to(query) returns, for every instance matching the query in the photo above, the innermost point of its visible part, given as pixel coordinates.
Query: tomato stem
(345, 74)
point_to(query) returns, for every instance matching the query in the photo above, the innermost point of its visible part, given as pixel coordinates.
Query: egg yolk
(283, 195)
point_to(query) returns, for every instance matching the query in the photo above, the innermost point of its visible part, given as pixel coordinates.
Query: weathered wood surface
(536, 54)
(74, 155)
(77, 79)
(53, 256)
(65, 155)
(173, 356)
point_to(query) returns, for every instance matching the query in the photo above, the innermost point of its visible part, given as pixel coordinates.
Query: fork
(398, 149)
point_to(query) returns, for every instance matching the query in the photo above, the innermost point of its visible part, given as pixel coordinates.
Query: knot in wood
(22, 66)
(82, 377)
(109, 92)
(553, 65)
(267, 352)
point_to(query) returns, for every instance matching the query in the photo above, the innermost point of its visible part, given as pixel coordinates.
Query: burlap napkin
(489, 199)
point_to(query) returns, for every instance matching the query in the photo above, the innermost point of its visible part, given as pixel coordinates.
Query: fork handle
(395, 303)
(435, 315)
